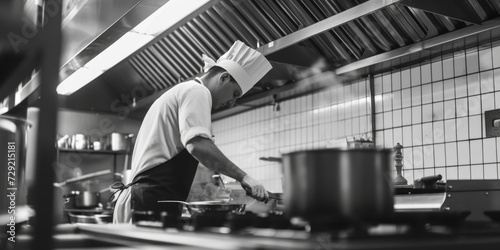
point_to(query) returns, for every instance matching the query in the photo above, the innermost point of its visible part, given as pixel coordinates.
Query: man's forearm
(205, 151)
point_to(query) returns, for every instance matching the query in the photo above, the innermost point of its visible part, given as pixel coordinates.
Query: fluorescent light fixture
(77, 80)
(168, 15)
(121, 49)
(162, 19)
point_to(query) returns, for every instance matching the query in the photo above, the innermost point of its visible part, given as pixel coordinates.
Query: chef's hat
(246, 65)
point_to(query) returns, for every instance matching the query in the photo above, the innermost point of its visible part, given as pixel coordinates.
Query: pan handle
(271, 195)
(181, 202)
(187, 204)
(274, 196)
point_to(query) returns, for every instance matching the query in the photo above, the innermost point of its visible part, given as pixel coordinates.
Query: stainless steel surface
(201, 207)
(85, 199)
(239, 196)
(80, 218)
(90, 19)
(334, 185)
(419, 202)
(326, 35)
(284, 239)
(419, 46)
(332, 22)
(120, 141)
(196, 240)
(475, 196)
(462, 9)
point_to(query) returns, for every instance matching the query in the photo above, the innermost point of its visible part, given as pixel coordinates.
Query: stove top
(407, 223)
(400, 230)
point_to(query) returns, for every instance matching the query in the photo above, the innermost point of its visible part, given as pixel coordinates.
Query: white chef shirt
(177, 116)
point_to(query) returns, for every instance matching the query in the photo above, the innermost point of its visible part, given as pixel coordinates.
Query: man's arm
(205, 151)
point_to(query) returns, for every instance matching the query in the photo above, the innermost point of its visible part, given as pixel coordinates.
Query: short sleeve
(195, 105)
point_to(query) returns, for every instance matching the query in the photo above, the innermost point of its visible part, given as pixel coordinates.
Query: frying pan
(204, 207)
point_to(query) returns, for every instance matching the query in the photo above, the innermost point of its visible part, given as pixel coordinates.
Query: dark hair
(216, 70)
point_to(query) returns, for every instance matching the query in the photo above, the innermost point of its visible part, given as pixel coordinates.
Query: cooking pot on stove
(338, 185)
(90, 218)
(85, 199)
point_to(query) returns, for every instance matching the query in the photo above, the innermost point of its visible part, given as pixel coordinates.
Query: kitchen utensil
(338, 184)
(428, 182)
(80, 218)
(63, 142)
(80, 141)
(83, 177)
(240, 196)
(103, 218)
(97, 145)
(202, 207)
(273, 159)
(90, 217)
(275, 197)
(120, 141)
(85, 199)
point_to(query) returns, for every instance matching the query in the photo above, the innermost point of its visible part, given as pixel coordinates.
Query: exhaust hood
(322, 39)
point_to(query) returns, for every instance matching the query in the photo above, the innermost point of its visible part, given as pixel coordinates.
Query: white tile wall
(443, 115)
(435, 109)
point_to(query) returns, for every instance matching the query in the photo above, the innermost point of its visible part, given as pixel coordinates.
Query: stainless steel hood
(301, 38)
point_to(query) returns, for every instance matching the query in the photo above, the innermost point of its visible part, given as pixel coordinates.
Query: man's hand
(254, 189)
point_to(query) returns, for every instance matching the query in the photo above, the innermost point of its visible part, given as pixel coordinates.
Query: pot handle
(275, 159)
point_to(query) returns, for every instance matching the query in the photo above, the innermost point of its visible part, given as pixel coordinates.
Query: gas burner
(200, 221)
(239, 221)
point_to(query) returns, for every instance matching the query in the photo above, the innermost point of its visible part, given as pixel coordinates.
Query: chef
(176, 134)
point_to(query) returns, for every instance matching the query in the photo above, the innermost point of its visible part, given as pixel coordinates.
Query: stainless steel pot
(90, 218)
(85, 199)
(82, 218)
(334, 185)
(120, 141)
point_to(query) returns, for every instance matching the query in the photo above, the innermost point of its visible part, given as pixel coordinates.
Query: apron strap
(179, 171)
(120, 186)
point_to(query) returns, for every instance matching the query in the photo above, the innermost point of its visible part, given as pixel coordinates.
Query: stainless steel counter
(128, 236)
(143, 238)
(140, 236)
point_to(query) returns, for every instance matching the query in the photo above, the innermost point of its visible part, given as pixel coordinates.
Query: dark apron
(170, 180)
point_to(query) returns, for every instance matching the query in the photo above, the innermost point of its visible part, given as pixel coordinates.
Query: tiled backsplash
(307, 122)
(434, 109)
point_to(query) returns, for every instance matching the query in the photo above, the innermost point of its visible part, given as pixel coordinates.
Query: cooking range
(433, 222)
